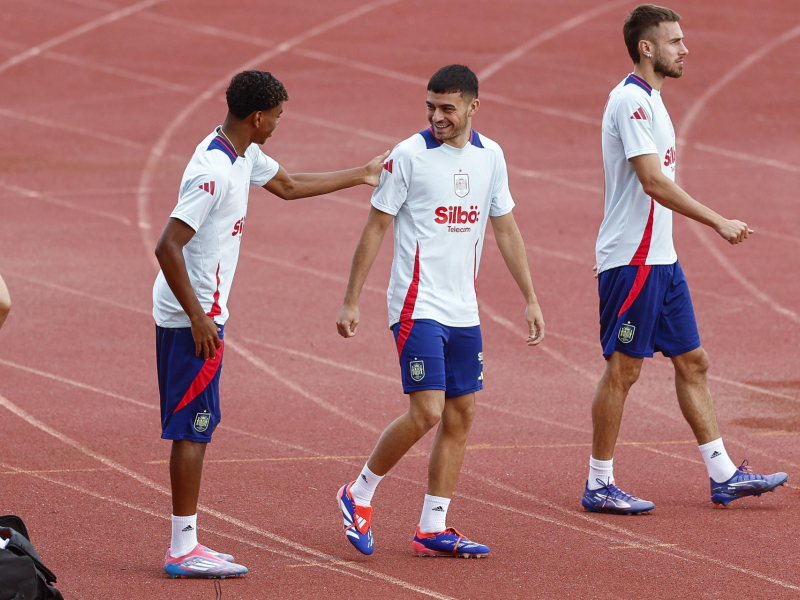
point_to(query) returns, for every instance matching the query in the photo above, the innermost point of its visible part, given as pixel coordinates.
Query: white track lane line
(34, 195)
(548, 35)
(568, 512)
(163, 517)
(77, 32)
(683, 136)
(159, 148)
(33, 421)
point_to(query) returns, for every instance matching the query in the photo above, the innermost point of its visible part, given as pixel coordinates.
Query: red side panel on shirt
(638, 284)
(215, 308)
(406, 322)
(644, 246)
(204, 377)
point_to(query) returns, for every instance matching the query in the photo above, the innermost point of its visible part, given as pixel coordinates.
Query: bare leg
(621, 373)
(423, 414)
(693, 394)
(185, 472)
(5, 301)
(447, 454)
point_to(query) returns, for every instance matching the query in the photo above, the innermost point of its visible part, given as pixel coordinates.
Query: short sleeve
(502, 202)
(264, 167)
(634, 121)
(392, 190)
(199, 195)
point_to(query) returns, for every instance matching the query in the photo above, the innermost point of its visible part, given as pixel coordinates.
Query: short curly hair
(252, 91)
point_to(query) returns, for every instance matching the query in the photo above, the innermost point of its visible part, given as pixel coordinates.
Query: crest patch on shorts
(201, 422)
(417, 370)
(626, 333)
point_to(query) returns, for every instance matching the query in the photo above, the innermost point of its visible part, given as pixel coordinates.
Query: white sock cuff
(601, 464)
(439, 500)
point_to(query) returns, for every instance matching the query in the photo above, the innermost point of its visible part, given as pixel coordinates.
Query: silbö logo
(455, 215)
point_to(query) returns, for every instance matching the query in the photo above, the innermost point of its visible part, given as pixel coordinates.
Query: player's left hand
(533, 315)
(374, 168)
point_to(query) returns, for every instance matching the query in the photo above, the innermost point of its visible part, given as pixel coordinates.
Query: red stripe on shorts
(638, 283)
(204, 377)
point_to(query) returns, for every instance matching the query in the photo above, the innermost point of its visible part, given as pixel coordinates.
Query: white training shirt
(441, 198)
(213, 202)
(636, 230)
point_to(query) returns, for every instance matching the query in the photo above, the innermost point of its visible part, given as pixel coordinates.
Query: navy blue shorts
(188, 385)
(646, 309)
(437, 357)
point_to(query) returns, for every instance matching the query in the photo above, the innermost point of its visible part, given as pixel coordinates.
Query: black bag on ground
(23, 576)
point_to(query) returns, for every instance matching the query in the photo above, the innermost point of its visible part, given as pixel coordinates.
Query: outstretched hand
(374, 168)
(533, 315)
(733, 231)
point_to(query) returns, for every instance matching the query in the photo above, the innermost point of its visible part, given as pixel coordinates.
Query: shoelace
(454, 531)
(614, 492)
(745, 470)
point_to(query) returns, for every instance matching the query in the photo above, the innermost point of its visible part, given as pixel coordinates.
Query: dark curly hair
(454, 78)
(251, 91)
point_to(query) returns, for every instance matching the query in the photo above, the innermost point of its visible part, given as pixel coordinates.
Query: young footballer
(439, 188)
(645, 306)
(198, 252)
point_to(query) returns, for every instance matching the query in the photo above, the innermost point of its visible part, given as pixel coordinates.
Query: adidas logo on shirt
(716, 454)
(438, 509)
(639, 114)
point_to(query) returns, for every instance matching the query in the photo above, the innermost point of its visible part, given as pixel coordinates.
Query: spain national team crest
(626, 333)
(417, 370)
(462, 184)
(202, 421)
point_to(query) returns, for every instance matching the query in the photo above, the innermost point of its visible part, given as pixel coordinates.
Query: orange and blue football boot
(357, 520)
(610, 499)
(744, 483)
(201, 564)
(449, 542)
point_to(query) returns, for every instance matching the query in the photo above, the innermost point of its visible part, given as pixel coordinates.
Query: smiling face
(450, 114)
(669, 50)
(265, 123)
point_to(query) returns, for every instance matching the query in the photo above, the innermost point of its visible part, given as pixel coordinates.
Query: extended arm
(304, 185)
(5, 302)
(366, 250)
(169, 252)
(667, 193)
(512, 247)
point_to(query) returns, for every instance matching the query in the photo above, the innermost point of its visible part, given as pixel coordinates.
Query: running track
(102, 104)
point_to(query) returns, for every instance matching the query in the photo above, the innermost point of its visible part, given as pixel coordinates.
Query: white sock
(720, 466)
(364, 487)
(184, 535)
(602, 470)
(434, 514)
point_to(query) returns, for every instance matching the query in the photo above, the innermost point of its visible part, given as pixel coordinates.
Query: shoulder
(254, 152)
(633, 90)
(410, 147)
(481, 141)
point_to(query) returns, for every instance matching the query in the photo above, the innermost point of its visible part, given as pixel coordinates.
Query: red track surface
(100, 124)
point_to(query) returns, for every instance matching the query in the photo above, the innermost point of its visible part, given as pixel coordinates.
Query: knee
(623, 378)
(426, 417)
(695, 365)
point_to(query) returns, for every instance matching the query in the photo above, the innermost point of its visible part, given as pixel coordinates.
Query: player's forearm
(669, 195)
(512, 248)
(366, 250)
(173, 265)
(306, 185)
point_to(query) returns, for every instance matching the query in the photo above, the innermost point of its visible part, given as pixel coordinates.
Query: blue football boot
(449, 542)
(744, 483)
(610, 499)
(357, 521)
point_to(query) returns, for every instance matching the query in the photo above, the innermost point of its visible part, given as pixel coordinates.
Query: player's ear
(473, 106)
(645, 49)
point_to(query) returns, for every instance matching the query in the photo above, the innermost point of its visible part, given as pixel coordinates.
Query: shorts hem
(188, 438)
(684, 350)
(456, 394)
(630, 353)
(422, 388)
